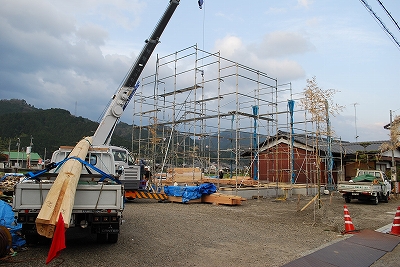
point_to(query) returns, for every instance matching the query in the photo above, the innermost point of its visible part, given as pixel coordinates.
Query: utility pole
(9, 152)
(355, 119)
(28, 154)
(393, 169)
(18, 144)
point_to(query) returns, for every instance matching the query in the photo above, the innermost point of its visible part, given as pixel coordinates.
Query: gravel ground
(264, 232)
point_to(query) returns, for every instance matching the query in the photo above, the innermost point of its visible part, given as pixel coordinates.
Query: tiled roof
(337, 146)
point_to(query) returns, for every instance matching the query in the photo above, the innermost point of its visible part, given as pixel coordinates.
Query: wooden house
(302, 159)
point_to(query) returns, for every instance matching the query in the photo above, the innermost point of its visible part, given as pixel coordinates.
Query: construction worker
(147, 173)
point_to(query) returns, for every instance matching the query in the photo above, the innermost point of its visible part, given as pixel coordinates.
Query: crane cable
(204, 22)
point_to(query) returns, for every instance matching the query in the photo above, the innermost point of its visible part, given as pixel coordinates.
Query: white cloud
(230, 46)
(304, 3)
(93, 34)
(121, 13)
(253, 55)
(281, 44)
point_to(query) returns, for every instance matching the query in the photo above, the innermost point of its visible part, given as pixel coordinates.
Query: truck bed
(88, 197)
(358, 187)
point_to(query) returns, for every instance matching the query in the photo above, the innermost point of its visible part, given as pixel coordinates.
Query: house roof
(367, 147)
(337, 146)
(21, 155)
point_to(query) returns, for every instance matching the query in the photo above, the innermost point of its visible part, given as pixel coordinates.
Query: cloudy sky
(74, 54)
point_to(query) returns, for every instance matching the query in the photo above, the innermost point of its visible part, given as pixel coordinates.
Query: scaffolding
(201, 110)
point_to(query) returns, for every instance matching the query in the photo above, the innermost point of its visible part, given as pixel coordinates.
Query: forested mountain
(15, 106)
(52, 128)
(48, 128)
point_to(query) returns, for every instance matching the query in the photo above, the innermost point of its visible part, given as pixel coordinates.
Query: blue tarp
(190, 192)
(7, 219)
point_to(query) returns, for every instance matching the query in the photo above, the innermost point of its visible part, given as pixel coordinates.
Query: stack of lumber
(61, 196)
(240, 181)
(184, 175)
(179, 200)
(216, 198)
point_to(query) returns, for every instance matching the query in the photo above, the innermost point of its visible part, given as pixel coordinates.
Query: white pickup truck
(367, 185)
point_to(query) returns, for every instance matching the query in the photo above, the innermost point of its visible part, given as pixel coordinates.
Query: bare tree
(319, 104)
(315, 102)
(393, 143)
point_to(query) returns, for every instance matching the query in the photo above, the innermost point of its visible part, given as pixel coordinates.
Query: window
(120, 155)
(92, 159)
(130, 160)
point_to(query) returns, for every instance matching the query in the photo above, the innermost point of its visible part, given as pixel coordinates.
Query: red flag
(58, 242)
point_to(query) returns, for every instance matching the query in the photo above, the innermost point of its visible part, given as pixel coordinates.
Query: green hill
(15, 106)
(48, 129)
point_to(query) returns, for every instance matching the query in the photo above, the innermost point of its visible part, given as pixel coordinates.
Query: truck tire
(347, 199)
(376, 200)
(113, 238)
(386, 197)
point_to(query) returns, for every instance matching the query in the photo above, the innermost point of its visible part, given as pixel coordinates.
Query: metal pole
(393, 169)
(18, 144)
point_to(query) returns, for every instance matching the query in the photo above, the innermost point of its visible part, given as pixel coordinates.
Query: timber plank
(61, 195)
(222, 199)
(216, 198)
(179, 200)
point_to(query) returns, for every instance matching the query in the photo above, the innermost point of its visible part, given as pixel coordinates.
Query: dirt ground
(263, 232)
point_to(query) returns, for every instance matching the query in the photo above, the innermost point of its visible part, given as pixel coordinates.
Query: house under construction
(206, 113)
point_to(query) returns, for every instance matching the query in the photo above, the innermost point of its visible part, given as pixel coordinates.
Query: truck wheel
(376, 200)
(386, 198)
(347, 199)
(112, 238)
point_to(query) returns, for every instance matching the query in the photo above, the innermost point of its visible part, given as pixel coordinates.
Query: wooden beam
(61, 195)
(222, 199)
(216, 198)
(311, 201)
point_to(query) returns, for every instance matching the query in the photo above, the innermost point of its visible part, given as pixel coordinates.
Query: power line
(390, 15)
(381, 22)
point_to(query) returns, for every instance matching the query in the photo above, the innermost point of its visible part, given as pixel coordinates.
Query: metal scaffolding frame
(196, 101)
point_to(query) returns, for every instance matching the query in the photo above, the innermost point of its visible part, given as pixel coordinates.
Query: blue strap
(35, 175)
(103, 174)
(10, 174)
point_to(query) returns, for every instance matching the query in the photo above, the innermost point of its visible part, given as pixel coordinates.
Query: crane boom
(120, 100)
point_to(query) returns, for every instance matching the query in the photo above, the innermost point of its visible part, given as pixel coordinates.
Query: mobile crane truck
(108, 170)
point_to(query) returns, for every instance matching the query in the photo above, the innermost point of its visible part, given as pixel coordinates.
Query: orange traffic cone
(348, 224)
(396, 223)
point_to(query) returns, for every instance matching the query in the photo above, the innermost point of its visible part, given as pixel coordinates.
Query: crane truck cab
(112, 160)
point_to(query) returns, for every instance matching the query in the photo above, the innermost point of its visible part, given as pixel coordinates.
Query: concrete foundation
(272, 191)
